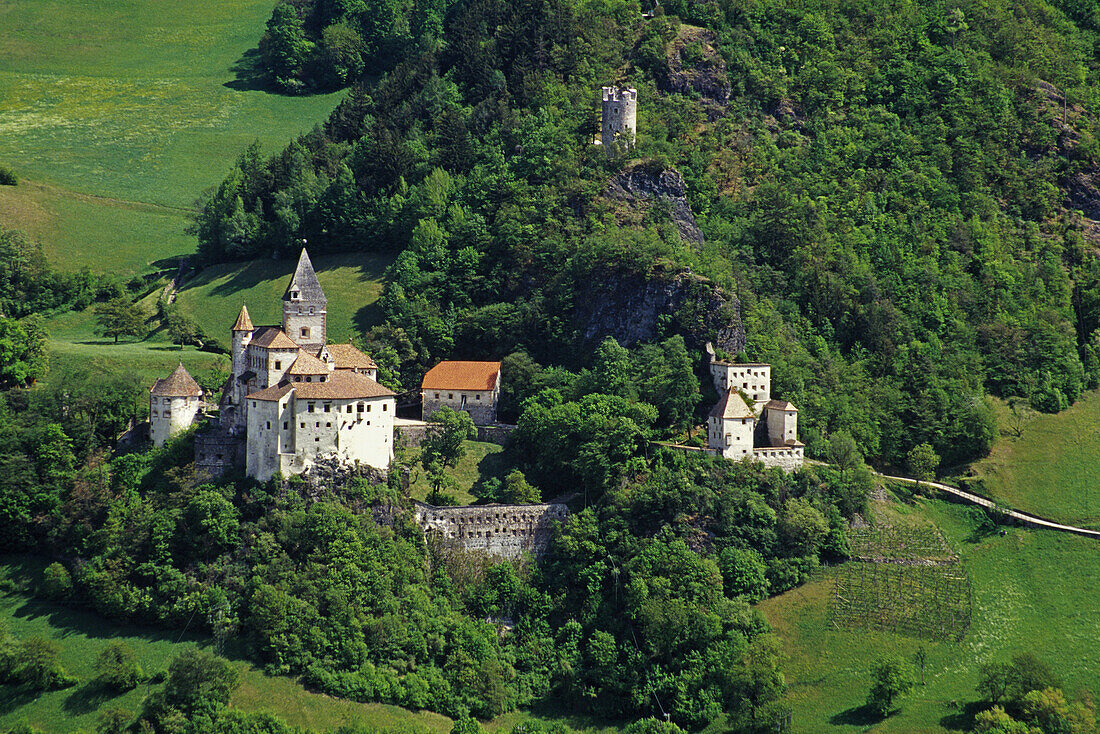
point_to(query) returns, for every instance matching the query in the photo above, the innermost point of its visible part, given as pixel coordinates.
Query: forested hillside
(892, 191)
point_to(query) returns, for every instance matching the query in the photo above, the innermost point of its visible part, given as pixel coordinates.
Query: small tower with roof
(174, 403)
(305, 307)
(242, 335)
(620, 117)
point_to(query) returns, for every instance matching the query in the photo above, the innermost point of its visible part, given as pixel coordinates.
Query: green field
(481, 461)
(1052, 469)
(132, 102)
(1033, 591)
(352, 283)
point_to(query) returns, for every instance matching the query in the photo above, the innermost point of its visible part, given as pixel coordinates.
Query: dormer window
(294, 295)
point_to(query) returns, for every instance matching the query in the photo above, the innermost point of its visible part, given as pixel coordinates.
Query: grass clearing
(352, 283)
(1033, 591)
(144, 102)
(1051, 469)
(481, 461)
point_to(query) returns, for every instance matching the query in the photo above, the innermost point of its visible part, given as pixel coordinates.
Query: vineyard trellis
(903, 580)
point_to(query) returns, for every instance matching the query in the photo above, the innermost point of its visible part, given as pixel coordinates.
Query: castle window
(477, 396)
(294, 294)
(303, 424)
(309, 379)
(286, 425)
(311, 310)
(316, 438)
(253, 403)
(384, 407)
(311, 407)
(278, 365)
(360, 407)
(437, 396)
(328, 425)
(328, 407)
(305, 331)
(349, 408)
(167, 414)
(317, 424)
(450, 396)
(269, 425)
(323, 378)
(299, 310)
(368, 408)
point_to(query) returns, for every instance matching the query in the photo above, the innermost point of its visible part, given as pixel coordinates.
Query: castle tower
(304, 307)
(173, 405)
(620, 117)
(782, 420)
(730, 426)
(242, 335)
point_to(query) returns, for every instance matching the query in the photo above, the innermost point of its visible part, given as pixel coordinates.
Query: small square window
(311, 407)
(328, 424)
(349, 408)
(360, 407)
(437, 396)
(327, 407)
(305, 331)
(477, 396)
(278, 365)
(303, 424)
(316, 438)
(385, 407)
(450, 396)
(317, 424)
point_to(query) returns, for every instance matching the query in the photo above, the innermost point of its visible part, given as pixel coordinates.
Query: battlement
(614, 94)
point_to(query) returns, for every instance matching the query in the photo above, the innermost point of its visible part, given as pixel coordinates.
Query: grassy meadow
(1051, 469)
(481, 461)
(118, 115)
(1033, 591)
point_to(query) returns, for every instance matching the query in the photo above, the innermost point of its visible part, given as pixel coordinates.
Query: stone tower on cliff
(620, 117)
(305, 307)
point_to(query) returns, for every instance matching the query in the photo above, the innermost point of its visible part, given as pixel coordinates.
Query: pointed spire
(304, 286)
(244, 323)
(179, 384)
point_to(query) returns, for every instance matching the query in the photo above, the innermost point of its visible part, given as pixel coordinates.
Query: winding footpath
(1023, 517)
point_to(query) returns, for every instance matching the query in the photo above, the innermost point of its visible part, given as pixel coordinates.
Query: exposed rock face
(640, 188)
(695, 67)
(638, 308)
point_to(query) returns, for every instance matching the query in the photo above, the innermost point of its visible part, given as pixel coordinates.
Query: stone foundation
(506, 531)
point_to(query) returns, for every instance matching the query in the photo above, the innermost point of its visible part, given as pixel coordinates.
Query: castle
(620, 117)
(746, 422)
(291, 398)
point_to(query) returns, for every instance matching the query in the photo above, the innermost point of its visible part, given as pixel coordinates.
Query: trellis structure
(906, 581)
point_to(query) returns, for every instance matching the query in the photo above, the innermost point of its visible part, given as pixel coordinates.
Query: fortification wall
(413, 434)
(787, 458)
(499, 530)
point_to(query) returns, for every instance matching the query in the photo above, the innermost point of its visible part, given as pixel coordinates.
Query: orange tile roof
(341, 386)
(243, 322)
(307, 364)
(273, 393)
(458, 375)
(179, 384)
(349, 358)
(272, 337)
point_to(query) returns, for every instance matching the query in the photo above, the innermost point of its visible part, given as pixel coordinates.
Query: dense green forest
(892, 190)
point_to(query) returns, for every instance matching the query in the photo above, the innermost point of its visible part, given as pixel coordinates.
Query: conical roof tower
(305, 307)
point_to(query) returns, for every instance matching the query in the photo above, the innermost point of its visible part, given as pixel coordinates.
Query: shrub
(8, 177)
(56, 582)
(117, 667)
(38, 665)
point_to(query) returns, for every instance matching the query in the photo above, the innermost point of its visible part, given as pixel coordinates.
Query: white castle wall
(170, 415)
(755, 380)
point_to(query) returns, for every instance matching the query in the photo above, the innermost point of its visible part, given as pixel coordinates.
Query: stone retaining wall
(499, 530)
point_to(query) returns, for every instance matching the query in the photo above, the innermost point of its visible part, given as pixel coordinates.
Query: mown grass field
(1033, 591)
(481, 461)
(1052, 469)
(139, 102)
(213, 298)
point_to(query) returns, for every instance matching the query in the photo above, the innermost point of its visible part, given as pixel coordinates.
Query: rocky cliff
(636, 308)
(638, 189)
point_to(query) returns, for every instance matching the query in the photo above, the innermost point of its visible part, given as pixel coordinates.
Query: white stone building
(747, 423)
(174, 405)
(471, 387)
(293, 397)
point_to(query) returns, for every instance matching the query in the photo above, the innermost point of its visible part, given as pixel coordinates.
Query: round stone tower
(620, 117)
(174, 403)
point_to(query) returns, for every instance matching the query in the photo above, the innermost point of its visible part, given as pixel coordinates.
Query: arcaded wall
(499, 530)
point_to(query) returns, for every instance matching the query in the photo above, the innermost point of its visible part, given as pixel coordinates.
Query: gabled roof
(731, 405)
(179, 384)
(305, 282)
(272, 337)
(347, 357)
(458, 375)
(243, 322)
(307, 364)
(273, 393)
(341, 386)
(780, 405)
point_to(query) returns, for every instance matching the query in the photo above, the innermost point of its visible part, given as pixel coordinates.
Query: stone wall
(480, 404)
(216, 451)
(499, 530)
(787, 458)
(412, 435)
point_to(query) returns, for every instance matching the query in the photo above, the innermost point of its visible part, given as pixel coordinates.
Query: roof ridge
(304, 284)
